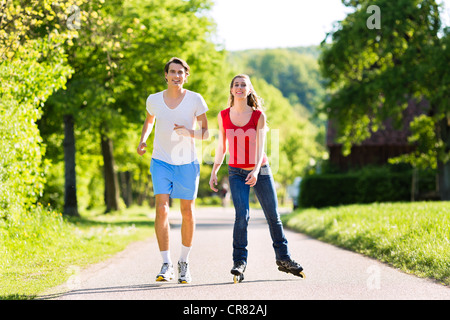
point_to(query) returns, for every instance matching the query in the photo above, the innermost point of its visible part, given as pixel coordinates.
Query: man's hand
(141, 148)
(182, 130)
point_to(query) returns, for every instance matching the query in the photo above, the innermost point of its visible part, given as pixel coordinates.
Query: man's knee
(162, 209)
(187, 211)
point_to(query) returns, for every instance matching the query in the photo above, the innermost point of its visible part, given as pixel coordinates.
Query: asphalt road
(331, 273)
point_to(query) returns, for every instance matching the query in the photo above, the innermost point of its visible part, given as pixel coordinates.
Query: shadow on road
(147, 287)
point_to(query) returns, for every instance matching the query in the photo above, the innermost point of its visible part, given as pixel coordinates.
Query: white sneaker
(184, 276)
(166, 274)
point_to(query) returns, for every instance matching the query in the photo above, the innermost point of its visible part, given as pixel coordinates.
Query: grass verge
(43, 249)
(414, 237)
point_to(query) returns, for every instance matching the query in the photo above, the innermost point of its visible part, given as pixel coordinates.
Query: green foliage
(328, 190)
(292, 144)
(295, 74)
(294, 133)
(25, 20)
(289, 82)
(363, 186)
(372, 73)
(411, 236)
(209, 201)
(101, 74)
(424, 137)
(33, 66)
(118, 60)
(44, 249)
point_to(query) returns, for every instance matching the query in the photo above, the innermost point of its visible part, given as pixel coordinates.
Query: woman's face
(241, 88)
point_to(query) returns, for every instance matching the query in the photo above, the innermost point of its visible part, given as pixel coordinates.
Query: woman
(243, 125)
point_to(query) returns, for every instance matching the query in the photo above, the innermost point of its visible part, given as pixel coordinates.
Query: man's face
(177, 75)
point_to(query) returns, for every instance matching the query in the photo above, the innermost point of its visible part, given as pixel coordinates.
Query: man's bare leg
(187, 235)
(162, 229)
(162, 226)
(188, 223)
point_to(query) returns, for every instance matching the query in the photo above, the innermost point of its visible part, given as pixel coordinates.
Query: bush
(25, 85)
(328, 190)
(364, 186)
(209, 201)
(30, 71)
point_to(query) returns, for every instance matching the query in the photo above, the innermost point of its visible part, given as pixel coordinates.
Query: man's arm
(146, 131)
(201, 134)
(203, 124)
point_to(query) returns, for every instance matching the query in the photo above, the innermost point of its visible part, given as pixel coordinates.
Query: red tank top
(242, 140)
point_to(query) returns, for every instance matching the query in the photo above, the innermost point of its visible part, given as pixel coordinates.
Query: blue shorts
(178, 181)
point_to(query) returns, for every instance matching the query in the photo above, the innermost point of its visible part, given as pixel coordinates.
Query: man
(174, 167)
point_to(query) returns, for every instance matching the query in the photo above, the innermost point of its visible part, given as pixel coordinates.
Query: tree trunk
(111, 181)
(444, 168)
(70, 185)
(125, 188)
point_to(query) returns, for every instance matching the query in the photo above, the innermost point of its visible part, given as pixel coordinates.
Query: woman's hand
(252, 177)
(213, 182)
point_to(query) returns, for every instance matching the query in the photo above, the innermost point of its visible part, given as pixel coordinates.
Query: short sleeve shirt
(168, 146)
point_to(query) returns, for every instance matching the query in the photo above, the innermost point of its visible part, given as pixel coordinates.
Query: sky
(257, 24)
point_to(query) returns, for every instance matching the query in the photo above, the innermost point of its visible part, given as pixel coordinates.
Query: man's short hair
(177, 61)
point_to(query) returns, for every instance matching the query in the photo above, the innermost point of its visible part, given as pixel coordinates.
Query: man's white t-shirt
(168, 146)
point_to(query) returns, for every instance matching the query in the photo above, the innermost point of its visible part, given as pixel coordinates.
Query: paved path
(332, 273)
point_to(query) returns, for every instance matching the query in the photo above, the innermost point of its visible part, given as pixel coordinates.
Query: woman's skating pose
(243, 125)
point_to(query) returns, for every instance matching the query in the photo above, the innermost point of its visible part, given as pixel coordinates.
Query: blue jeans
(267, 196)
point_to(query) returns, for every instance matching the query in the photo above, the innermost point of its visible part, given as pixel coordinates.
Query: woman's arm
(221, 150)
(260, 141)
(252, 177)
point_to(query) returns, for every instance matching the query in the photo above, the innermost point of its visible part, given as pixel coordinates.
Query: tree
(295, 74)
(373, 72)
(33, 65)
(118, 60)
(296, 135)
